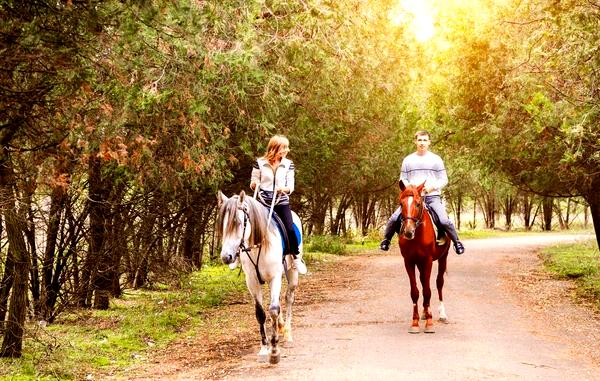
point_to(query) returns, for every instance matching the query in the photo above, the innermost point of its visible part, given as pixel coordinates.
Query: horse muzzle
(228, 257)
(409, 231)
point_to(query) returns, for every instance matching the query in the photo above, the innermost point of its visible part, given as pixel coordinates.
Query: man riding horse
(426, 167)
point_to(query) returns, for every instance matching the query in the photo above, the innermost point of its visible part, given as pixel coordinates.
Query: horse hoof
(263, 355)
(288, 341)
(443, 320)
(414, 330)
(429, 330)
(274, 358)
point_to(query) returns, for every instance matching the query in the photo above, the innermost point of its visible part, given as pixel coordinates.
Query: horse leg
(261, 317)
(290, 296)
(424, 275)
(414, 295)
(439, 283)
(274, 311)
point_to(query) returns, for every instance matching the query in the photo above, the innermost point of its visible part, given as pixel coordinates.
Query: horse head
(241, 225)
(411, 203)
(233, 225)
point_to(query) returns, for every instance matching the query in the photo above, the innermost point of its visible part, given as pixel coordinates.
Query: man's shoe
(300, 265)
(459, 248)
(384, 245)
(234, 264)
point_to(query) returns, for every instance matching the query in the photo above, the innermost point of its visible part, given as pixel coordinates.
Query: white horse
(245, 233)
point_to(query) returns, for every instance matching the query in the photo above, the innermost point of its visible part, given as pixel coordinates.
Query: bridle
(246, 249)
(417, 220)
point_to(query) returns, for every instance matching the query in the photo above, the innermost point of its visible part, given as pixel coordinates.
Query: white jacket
(269, 179)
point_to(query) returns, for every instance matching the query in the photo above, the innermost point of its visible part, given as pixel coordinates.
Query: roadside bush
(325, 244)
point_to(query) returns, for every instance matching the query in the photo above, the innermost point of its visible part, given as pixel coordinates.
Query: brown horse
(419, 249)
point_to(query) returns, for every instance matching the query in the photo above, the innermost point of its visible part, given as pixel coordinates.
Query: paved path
(361, 333)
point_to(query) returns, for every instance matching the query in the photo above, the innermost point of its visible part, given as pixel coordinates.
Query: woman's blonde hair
(276, 144)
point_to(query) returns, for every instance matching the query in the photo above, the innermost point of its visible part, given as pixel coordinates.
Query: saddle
(439, 231)
(285, 244)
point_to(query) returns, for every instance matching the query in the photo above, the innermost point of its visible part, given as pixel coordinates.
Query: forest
(121, 119)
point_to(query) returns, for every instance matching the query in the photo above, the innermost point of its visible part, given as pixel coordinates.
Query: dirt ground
(508, 320)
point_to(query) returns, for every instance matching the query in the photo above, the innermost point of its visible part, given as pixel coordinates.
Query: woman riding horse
(273, 174)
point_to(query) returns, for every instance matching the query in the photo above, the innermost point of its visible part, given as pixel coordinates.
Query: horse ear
(221, 199)
(242, 195)
(401, 185)
(420, 187)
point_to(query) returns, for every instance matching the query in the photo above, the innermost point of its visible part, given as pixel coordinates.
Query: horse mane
(257, 217)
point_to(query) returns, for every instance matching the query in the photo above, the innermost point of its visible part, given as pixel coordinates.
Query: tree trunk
(527, 209)
(319, 206)
(592, 197)
(562, 222)
(338, 222)
(12, 344)
(459, 202)
(547, 205)
(100, 261)
(6, 284)
(594, 203)
(48, 294)
(509, 206)
(586, 216)
(30, 236)
(191, 239)
(489, 209)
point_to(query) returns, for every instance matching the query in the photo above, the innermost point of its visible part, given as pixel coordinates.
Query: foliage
(119, 120)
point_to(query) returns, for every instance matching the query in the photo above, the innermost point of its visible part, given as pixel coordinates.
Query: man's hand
(429, 187)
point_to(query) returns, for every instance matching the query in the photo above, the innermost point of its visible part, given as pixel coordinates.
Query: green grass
(96, 343)
(325, 244)
(579, 262)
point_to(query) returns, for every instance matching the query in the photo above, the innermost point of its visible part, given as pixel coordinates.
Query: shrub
(325, 244)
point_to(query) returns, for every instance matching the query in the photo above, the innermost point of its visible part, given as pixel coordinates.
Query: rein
(243, 248)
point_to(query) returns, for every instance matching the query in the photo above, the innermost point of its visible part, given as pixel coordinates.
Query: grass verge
(88, 344)
(579, 262)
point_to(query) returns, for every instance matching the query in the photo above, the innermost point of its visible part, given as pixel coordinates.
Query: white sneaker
(300, 266)
(234, 264)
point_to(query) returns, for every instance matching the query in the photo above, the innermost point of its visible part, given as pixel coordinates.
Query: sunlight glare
(419, 16)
